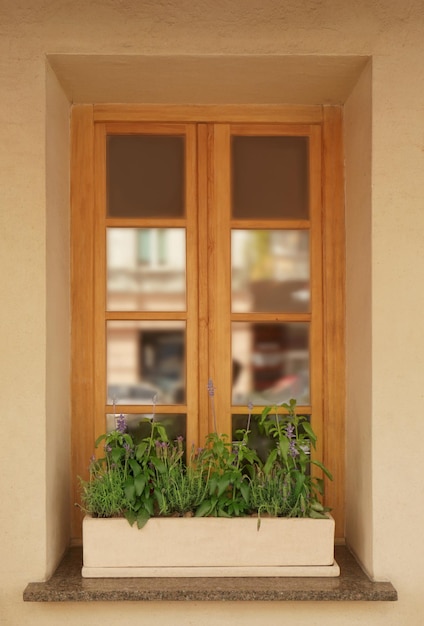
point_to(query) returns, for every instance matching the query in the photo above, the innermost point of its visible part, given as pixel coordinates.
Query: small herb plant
(223, 479)
(284, 485)
(179, 488)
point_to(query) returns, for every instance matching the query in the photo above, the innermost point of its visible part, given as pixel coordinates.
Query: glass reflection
(270, 271)
(139, 424)
(146, 269)
(146, 359)
(270, 362)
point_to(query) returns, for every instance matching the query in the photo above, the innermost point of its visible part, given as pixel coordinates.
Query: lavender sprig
(290, 433)
(250, 407)
(211, 391)
(121, 424)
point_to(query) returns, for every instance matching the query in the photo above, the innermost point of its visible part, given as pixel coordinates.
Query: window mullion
(204, 199)
(220, 278)
(192, 317)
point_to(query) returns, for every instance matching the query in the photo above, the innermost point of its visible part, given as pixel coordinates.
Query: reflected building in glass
(270, 274)
(146, 271)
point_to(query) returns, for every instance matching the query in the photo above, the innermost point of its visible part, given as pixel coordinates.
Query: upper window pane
(146, 269)
(270, 178)
(145, 176)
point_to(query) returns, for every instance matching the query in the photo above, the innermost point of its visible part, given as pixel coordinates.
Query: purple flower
(108, 448)
(293, 451)
(290, 431)
(211, 388)
(211, 391)
(163, 449)
(127, 448)
(121, 424)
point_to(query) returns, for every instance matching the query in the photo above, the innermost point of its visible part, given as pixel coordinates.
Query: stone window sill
(67, 585)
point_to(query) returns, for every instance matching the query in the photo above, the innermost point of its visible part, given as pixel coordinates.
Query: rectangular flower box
(209, 546)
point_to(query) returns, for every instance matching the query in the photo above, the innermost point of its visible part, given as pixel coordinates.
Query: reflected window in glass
(270, 362)
(146, 269)
(146, 359)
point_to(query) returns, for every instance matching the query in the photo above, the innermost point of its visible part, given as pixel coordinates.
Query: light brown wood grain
(334, 312)
(82, 305)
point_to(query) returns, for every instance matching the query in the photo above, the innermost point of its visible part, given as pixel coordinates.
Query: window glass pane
(270, 271)
(270, 362)
(146, 269)
(270, 178)
(139, 427)
(145, 176)
(146, 359)
(257, 438)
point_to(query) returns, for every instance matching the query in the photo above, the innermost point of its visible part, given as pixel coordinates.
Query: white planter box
(209, 546)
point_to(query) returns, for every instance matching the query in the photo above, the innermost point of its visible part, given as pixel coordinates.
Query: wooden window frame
(213, 124)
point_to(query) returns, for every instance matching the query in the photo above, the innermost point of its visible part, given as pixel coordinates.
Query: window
(207, 248)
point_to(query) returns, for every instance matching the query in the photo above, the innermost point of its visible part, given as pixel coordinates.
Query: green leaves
(139, 484)
(224, 479)
(283, 447)
(129, 488)
(285, 485)
(136, 468)
(308, 430)
(324, 469)
(117, 454)
(245, 491)
(205, 508)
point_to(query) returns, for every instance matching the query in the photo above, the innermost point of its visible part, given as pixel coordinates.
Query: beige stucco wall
(385, 258)
(358, 198)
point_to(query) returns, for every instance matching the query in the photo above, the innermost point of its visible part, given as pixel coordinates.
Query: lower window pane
(270, 362)
(139, 424)
(257, 437)
(146, 361)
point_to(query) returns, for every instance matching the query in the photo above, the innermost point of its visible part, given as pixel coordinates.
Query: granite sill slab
(67, 585)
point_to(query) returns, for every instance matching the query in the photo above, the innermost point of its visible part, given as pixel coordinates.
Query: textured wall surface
(264, 43)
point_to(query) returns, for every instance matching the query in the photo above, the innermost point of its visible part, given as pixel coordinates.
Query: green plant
(285, 485)
(223, 479)
(179, 488)
(105, 493)
(228, 485)
(131, 467)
